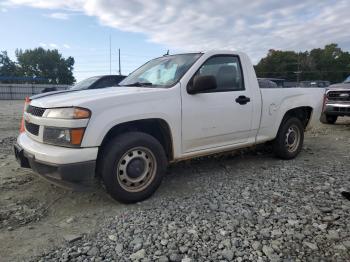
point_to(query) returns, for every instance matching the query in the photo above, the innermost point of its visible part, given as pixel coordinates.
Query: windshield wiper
(139, 84)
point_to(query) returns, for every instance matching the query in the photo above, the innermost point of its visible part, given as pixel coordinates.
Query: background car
(97, 82)
(266, 83)
(337, 102)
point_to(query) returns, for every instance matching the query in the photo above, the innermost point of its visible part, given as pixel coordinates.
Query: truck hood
(85, 97)
(50, 93)
(340, 86)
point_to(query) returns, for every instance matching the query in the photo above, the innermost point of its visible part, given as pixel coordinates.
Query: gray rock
(70, 220)
(333, 235)
(137, 256)
(137, 247)
(310, 245)
(256, 245)
(186, 259)
(163, 259)
(270, 253)
(175, 257)
(330, 218)
(164, 242)
(213, 206)
(183, 249)
(227, 254)
(347, 244)
(113, 237)
(93, 251)
(326, 209)
(119, 248)
(71, 237)
(340, 247)
(276, 233)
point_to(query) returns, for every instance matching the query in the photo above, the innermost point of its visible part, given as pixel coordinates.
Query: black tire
(283, 145)
(331, 119)
(116, 175)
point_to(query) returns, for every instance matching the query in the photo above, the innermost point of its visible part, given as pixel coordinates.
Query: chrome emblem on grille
(344, 95)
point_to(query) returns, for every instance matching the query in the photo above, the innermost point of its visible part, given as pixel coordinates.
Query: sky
(147, 29)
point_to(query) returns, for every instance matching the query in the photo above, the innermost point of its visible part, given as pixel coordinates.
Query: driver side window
(226, 70)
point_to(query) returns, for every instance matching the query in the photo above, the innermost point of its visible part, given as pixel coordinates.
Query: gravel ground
(247, 206)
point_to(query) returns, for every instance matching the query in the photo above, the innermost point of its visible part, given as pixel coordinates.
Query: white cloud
(43, 45)
(3, 10)
(60, 16)
(251, 26)
(66, 46)
(52, 45)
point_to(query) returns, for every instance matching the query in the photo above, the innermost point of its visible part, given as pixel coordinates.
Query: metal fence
(20, 91)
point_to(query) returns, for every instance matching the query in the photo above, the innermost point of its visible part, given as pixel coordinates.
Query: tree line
(46, 66)
(330, 63)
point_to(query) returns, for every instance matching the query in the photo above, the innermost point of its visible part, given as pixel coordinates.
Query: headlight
(68, 113)
(70, 137)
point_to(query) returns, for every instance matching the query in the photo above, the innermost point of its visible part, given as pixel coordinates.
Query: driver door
(214, 118)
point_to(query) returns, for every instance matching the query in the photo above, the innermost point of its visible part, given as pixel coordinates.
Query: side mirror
(202, 83)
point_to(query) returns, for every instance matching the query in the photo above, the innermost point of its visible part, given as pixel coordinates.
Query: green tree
(48, 64)
(278, 64)
(328, 63)
(8, 68)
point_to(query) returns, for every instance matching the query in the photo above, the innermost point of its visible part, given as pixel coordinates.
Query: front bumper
(73, 174)
(337, 109)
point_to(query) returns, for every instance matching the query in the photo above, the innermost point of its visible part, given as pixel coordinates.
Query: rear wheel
(132, 166)
(331, 119)
(290, 138)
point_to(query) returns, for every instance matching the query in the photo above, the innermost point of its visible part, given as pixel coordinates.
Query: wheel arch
(303, 113)
(156, 127)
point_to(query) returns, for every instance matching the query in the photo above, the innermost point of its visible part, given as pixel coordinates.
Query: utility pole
(120, 69)
(110, 55)
(298, 72)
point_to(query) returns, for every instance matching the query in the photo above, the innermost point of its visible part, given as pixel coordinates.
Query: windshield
(347, 80)
(161, 72)
(84, 84)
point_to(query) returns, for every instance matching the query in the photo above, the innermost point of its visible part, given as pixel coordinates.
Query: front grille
(32, 128)
(35, 111)
(341, 110)
(340, 96)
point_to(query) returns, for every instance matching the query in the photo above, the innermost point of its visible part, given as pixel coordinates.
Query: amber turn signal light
(80, 113)
(26, 103)
(76, 136)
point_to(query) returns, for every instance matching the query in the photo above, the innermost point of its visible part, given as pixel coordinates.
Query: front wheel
(290, 138)
(132, 166)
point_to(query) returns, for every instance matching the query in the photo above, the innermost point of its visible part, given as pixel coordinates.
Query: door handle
(242, 100)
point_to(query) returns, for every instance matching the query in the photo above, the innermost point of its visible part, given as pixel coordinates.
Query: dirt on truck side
(246, 205)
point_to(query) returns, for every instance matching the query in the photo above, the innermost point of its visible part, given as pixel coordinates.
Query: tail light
(26, 103)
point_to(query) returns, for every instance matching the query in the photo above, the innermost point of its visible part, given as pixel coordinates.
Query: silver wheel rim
(136, 169)
(292, 138)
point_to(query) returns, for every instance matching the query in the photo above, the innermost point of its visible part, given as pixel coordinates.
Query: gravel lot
(243, 206)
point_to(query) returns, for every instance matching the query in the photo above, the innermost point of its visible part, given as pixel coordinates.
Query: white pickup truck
(172, 108)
